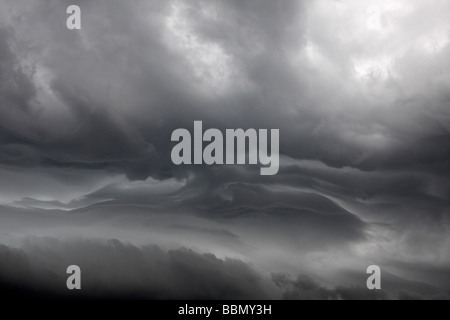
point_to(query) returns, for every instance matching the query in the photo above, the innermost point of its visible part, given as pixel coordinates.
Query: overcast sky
(360, 91)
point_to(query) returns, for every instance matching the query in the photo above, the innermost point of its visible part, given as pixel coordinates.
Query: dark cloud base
(113, 270)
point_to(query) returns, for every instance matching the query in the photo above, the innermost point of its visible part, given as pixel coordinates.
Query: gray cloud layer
(360, 95)
(114, 270)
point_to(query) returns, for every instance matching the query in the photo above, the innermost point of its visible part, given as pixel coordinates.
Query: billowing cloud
(116, 270)
(359, 92)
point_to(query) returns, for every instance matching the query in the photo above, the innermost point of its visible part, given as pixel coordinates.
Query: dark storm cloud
(127, 79)
(361, 104)
(112, 269)
(116, 270)
(305, 288)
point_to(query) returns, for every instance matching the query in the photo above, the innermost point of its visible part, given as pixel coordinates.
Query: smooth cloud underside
(360, 94)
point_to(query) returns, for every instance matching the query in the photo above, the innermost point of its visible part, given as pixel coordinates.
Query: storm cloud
(360, 93)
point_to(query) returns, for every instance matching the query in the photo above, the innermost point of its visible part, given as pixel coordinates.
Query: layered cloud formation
(360, 93)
